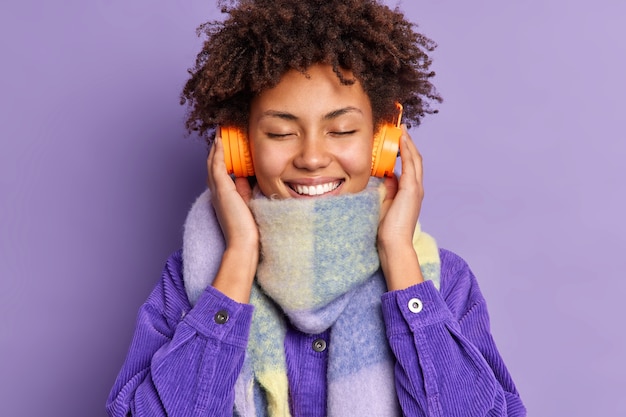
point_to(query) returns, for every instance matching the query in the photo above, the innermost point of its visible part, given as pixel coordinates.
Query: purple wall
(521, 171)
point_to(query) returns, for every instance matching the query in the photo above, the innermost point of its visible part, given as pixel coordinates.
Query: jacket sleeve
(182, 361)
(447, 363)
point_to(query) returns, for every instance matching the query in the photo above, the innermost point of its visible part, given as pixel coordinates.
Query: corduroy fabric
(182, 363)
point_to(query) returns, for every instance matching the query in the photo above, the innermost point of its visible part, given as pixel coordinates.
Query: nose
(312, 154)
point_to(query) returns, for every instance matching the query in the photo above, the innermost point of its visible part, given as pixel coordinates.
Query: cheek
(264, 163)
(268, 162)
(358, 159)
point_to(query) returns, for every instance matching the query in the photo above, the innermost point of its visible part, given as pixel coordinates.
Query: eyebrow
(328, 116)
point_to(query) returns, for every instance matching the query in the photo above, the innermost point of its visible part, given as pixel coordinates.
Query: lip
(333, 184)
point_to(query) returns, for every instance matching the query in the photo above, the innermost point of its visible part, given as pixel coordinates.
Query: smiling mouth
(314, 190)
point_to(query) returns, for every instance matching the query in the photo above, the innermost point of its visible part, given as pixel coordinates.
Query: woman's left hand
(399, 214)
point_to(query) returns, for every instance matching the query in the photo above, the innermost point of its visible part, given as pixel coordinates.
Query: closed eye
(344, 133)
(278, 135)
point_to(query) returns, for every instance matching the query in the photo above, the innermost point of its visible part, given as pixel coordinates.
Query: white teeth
(316, 189)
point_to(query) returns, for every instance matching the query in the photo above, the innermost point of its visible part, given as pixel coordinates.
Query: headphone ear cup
(385, 151)
(236, 152)
(225, 133)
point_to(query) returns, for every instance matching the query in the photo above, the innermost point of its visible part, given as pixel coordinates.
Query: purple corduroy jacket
(184, 361)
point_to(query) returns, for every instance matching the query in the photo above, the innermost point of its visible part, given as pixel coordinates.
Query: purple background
(523, 179)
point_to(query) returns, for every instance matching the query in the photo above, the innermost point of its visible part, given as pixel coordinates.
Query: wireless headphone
(386, 144)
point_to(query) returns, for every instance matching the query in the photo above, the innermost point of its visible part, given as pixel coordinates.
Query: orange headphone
(386, 145)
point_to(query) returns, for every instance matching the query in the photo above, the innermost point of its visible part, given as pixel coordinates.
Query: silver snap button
(319, 345)
(221, 317)
(415, 305)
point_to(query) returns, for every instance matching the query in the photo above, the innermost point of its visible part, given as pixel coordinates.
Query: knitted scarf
(319, 269)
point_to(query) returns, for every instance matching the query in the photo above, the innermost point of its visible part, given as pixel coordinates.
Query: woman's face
(311, 136)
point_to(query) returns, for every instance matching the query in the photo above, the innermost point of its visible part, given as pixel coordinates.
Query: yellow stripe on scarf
(277, 390)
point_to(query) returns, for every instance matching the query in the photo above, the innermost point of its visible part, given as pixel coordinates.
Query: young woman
(308, 288)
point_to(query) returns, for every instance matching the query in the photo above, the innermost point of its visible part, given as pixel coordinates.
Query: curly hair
(261, 40)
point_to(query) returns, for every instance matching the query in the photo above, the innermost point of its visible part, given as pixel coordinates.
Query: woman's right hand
(230, 201)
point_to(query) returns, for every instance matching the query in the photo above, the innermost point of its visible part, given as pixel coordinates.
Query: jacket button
(221, 317)
(319, 345)
(415, 305)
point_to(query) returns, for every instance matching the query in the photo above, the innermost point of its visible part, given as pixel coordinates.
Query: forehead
(319, 90)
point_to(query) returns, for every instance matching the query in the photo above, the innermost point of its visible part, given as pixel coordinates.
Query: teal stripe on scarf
(344, 243)
(358, 331)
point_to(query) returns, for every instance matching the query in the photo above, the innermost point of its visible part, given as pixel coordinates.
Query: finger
(243, 188)
(408, 154)
(416, 157)
(409, 147)
(412, 168)
(218, 157)
(209, 165)
(391, 187)
(216, 164)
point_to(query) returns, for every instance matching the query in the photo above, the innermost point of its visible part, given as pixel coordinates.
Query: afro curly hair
(261, 40)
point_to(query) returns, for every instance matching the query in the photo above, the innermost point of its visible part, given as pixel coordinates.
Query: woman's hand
(399, 214)
(230, 201)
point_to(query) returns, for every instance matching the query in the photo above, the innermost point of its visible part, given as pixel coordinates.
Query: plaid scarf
(319, 269)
